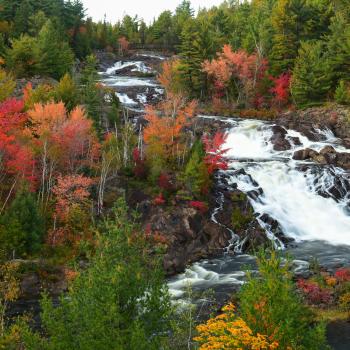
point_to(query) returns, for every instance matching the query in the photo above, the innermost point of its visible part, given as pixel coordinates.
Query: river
(297, 194)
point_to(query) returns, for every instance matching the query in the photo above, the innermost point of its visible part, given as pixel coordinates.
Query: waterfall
(297, 194)
(291, 195)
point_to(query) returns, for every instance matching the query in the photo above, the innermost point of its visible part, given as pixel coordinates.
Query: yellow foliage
(331, 281)
(227, 331)
(7, 85)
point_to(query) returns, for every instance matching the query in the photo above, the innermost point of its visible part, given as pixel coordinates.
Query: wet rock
(267, 219)
(305, 154)
(327, 156)
(333, 117)
(296, 141)
(279, 141)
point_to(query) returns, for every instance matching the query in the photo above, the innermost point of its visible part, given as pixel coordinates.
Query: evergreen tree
(196, 176)
(338, 46)
(290, 21)
(22, 226)
(55, 58)
(21, 59)
(21, 20)
(312, 75)
(92, 96)
(342, 93)
(67, 92)
(191, 59)
(183, 13)
(36, 23)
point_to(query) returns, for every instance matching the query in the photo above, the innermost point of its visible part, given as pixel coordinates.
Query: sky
(146, 9)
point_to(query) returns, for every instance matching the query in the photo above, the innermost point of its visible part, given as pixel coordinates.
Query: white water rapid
(134, 81)
(297, 194)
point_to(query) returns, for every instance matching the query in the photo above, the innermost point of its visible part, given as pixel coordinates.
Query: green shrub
(270, 305)
(342, 93)
(21, 59)
(120, 302)
(67, 92)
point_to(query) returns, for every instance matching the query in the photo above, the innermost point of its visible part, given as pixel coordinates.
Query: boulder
(278, 139)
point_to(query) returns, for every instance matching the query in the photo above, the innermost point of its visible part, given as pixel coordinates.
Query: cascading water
(297, 194)
(310, 202)
(134, 82)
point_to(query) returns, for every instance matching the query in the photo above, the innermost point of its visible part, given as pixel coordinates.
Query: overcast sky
(146, 9)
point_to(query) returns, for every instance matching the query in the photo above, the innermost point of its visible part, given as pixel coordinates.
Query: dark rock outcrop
(190, 235)
(327, 156)
(278, 139)
(334, 117)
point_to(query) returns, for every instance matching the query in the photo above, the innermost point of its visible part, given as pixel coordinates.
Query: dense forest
(102, 204)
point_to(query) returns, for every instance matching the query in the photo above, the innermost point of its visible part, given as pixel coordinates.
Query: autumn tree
(123, 45)
(71, 217)
(164, 133)
(64, 143)
(170, 78)
(16, 159)
(215, 152)
(236, 74)
(281, 90)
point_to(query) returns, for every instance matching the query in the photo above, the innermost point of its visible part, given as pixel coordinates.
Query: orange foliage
(227, 331)
(71, 190)
(123, 45)
(169, 77)
(238, 67)
(163, 134)
(68, 139)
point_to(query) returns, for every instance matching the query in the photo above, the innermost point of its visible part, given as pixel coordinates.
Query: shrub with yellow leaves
(227, 331)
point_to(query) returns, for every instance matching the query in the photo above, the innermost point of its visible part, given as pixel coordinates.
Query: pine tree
(290, 21)
(21, 20)
(196, 176)
(22, 225)
(312, 75)
(67, 92)
(191, 53)
(338, 46)
(55, 58)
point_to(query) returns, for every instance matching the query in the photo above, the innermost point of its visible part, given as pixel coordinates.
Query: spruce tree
(312, 75)
(338, 46)
(196, 176)
(290, 21)
(21, 20)
(22, 226)
(191, 53)
(55, 58)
